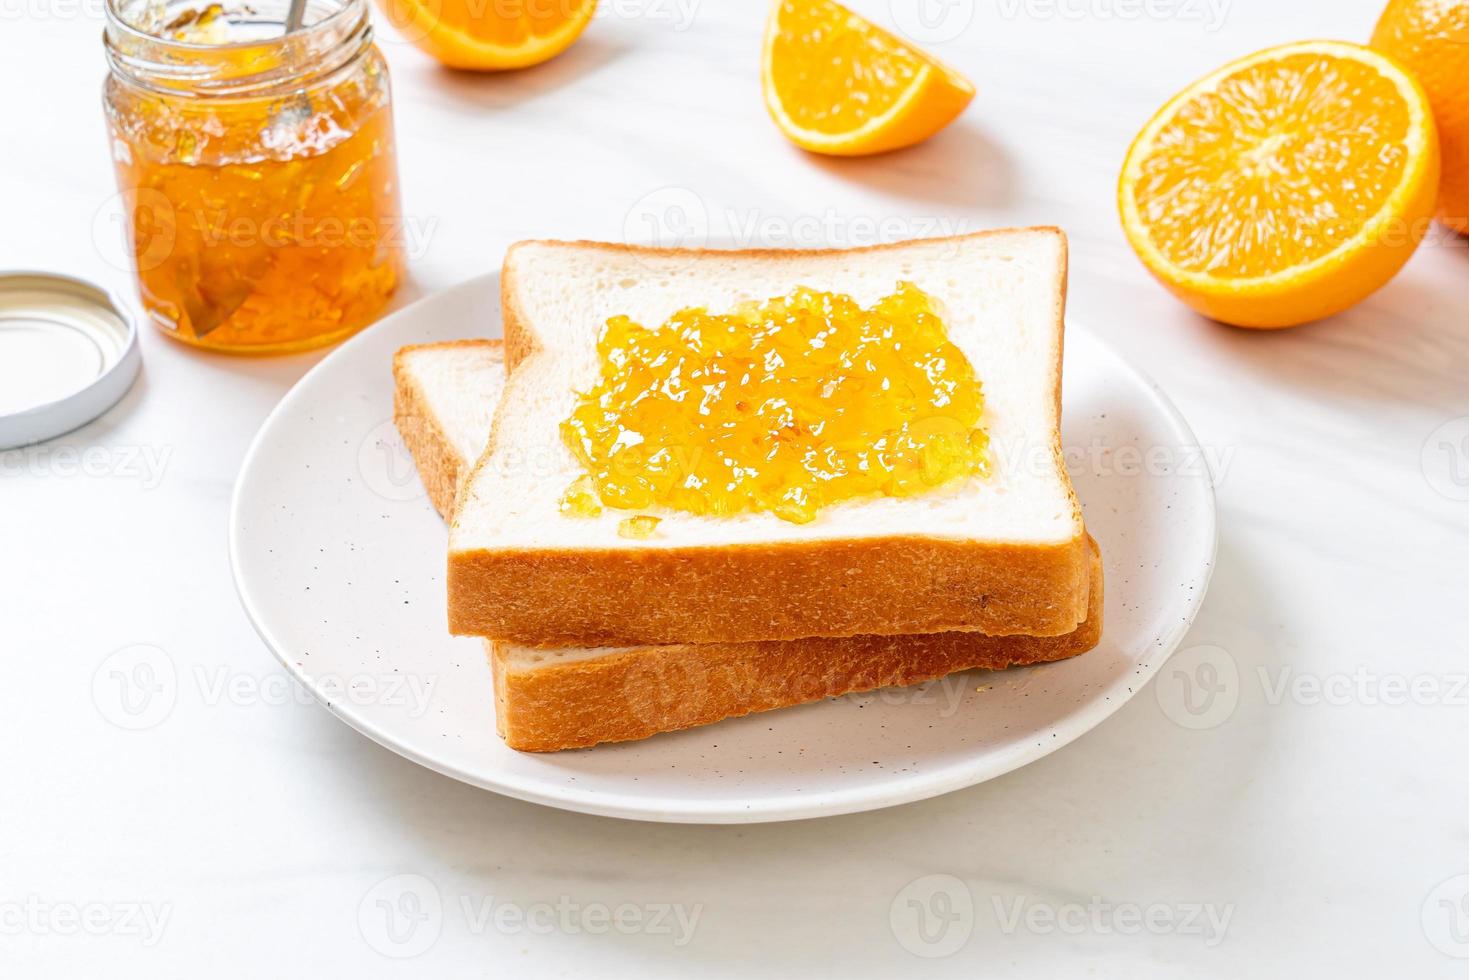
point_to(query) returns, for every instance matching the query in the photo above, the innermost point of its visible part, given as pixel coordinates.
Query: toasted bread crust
(781, 591)
(632, 694)
(774, 591)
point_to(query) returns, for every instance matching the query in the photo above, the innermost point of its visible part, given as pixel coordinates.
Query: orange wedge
(1286, 186)
(840, 85)
(490, 35)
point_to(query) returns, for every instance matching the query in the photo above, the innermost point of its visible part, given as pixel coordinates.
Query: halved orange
(490, 35)
(1431, 39)
(1286, 186)
(838, 84)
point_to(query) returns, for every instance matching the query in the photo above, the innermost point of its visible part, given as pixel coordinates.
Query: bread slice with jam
(1002, 553)
(547, 700)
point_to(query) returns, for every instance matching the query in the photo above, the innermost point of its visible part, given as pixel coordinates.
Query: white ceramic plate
(339, 561)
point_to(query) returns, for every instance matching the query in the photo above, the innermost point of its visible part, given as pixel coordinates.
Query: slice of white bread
(546, 700)
(444, 400)
(1005, 554)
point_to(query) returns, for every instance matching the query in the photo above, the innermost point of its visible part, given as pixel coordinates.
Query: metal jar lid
(68, 352)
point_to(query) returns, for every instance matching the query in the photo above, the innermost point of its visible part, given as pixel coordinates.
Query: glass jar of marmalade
(256, 168)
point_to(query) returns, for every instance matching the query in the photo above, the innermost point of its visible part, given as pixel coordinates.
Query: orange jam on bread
(783, 406)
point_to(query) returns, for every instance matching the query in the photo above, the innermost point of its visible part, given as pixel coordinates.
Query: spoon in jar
(295, 15)
(300, 108)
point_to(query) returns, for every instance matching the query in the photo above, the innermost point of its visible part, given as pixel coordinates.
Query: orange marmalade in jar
(256, 168)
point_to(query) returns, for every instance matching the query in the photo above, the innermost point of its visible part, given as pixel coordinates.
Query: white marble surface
(1315, 806)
